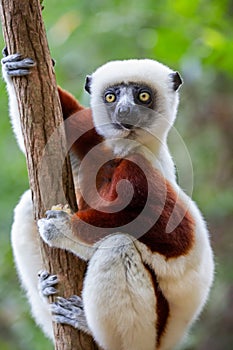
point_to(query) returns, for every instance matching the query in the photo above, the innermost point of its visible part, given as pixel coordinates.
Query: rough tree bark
(41, 114)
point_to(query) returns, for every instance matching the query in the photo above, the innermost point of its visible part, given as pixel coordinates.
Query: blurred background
(194, 37)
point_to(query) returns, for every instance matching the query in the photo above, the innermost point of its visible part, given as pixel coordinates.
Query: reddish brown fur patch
(80, 130)
(161, 203)
(181, 239)
(105, 220)
(69, 103)
(81, 133)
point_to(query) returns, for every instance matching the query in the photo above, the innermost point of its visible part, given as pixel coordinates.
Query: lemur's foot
(46, 283)
(16, 66)
(56, 227)
(70, 311)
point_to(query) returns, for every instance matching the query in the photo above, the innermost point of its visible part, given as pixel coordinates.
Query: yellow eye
(110, 97)
(144, 96)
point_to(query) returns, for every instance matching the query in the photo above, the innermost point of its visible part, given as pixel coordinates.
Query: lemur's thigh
(118, 296)
(24, 236)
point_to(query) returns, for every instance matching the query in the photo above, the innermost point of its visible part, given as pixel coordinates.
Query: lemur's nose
(123, 117)
(123, 111)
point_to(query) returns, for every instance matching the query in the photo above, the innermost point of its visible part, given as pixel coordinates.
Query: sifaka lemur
(150, 263)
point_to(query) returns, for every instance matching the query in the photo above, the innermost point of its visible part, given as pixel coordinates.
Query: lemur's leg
(25, 244)
(118, 296)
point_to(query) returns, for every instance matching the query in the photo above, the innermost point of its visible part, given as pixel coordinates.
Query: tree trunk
(48, 167)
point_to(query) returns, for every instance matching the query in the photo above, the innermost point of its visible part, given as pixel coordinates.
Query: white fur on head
(145, 71)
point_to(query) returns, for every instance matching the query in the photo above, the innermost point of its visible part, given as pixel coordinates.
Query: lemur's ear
(88, 83)
(177, 80)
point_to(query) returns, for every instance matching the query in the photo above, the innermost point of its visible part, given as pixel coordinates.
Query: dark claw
(50, 214)
(49, 291)
(76, 301)
(43, 274)
(54, 214)
(5, 52)
(63, 302)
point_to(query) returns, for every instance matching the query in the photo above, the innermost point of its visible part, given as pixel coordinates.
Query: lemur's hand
(56, 227)
(57, 231)
(16, 66)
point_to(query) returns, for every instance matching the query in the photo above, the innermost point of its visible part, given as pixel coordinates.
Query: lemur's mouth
(123, 126)
(117, 126)
(128, 126)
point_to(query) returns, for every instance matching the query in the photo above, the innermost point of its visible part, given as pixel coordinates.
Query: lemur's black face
(130, 106)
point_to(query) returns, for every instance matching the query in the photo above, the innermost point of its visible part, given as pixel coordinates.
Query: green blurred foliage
(192, 37)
